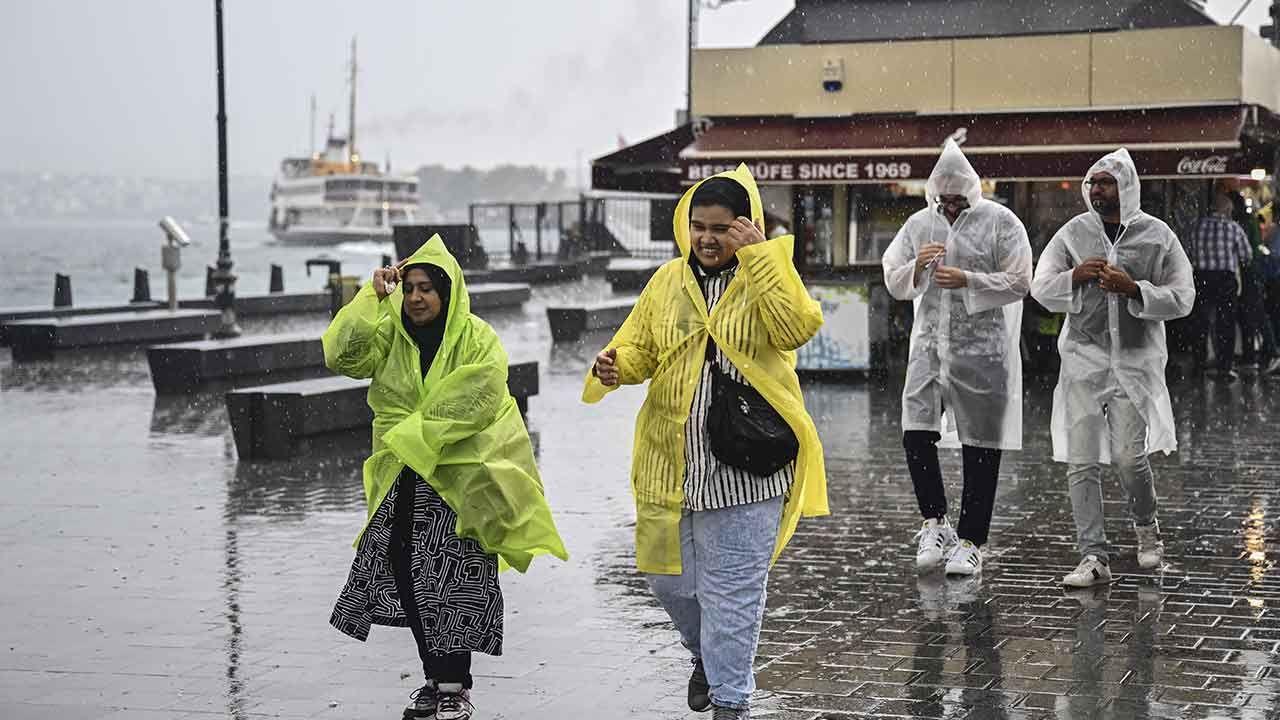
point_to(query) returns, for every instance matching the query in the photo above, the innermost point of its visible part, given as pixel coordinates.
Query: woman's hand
(606, 368)
(386, 278)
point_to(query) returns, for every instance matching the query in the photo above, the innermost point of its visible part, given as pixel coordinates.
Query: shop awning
(650, 166)
(1170, 142)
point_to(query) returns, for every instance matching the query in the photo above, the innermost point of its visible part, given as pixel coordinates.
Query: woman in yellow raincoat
(706, 530)
(452, 488)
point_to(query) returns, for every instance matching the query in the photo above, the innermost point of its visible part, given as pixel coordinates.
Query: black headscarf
(428, 337)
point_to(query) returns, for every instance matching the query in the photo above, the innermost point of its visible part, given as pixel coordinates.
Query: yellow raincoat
(458, 428)
(763, 316)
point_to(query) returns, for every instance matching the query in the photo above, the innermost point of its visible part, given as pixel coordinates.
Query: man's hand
(949, 278)
(743, 232)
(1114, 279)
(1090, 269)
(606, 368)
(386, 278)
(927, 254)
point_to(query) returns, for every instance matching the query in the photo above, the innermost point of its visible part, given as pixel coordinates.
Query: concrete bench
(316, 301)
(41, 337)
(570, 322)
(494, 295)
(33, 312)
(631, 274)
(532, 273)
(181, 367)
(275, 421)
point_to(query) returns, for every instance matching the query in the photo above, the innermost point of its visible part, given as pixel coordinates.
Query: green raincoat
(458, 428)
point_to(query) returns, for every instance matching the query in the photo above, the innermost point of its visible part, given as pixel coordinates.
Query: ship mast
(313, 125)
(353, 156)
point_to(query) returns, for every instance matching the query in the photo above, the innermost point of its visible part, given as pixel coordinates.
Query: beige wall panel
(1021, 73)
(787, 79)
(1261, 72)
(1168, 66)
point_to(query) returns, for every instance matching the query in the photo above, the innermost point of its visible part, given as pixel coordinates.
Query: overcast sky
(127, 87)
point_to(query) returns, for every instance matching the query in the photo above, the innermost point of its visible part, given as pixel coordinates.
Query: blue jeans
(717, 602)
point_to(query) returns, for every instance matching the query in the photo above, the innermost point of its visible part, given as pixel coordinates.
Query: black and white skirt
(455, 581)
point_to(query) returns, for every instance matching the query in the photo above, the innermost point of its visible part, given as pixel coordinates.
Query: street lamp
(224, 280)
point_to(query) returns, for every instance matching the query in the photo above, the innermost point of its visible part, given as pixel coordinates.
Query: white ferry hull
(298, 235)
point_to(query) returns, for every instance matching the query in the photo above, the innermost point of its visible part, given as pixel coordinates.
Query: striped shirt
(708, 483)
(1219, 243)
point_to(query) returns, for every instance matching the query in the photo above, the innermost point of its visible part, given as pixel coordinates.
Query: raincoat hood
(1120, 165)
(953, 175)
(458, 307)
(680, 220)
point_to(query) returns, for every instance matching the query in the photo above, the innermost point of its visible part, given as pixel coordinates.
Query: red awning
(1171, 142)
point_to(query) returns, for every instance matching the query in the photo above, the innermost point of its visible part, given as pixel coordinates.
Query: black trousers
(981, 471)
(1216, 305)
(446, 667)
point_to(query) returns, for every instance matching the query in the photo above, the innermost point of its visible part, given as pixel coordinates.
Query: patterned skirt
(455, 581)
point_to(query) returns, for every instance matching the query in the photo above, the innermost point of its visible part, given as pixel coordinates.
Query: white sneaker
(1150, 549)
(966, 559)
(1091, 571)
(936, 539)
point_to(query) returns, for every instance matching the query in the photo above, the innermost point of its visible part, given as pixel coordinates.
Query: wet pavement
(148, 574)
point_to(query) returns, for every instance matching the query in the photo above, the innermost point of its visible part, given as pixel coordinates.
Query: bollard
(141, 286)
(61, 290)
(277, 279)
(342, 289)
(210, 288)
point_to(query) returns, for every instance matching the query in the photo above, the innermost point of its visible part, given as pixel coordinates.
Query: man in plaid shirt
(1218, 249)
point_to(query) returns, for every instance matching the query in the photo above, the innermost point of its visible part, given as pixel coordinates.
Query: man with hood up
(1119, 274)
(707, 530)
(966, 263)
(453, 492)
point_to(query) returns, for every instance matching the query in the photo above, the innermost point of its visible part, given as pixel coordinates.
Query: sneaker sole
(1094, 583)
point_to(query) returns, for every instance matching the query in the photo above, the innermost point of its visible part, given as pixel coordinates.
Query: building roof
(847, 21)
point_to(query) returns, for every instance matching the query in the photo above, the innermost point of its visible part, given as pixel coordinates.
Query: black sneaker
(422, 705)
(699, 690)
(726, 713)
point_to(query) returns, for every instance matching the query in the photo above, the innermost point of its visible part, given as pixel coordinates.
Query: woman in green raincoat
(452, 488)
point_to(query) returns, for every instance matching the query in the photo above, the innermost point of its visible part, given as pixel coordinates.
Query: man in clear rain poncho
(1118, 273)
(966, 263)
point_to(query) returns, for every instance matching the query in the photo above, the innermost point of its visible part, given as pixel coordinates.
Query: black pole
(688, 87)
(225, 280)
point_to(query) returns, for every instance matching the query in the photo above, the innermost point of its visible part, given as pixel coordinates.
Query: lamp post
(224, 280)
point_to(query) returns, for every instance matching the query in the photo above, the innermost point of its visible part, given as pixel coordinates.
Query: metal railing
(626, 226)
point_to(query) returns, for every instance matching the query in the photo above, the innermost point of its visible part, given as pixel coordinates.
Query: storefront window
(876, 213)
(815, 227)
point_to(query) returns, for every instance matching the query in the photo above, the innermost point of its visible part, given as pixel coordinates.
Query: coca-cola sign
(1209, 165)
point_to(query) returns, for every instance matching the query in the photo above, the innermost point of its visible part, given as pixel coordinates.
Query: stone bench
(532, 273)
(276, 421)
(631, 274)
(495, 295)
(33, 312)
(41, 337)
(315, 301)
(570, 322)
(182, 367)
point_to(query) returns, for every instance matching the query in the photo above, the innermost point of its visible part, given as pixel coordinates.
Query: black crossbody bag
(745, 431)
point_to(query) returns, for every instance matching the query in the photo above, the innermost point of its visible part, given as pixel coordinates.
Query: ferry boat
(334, 196)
